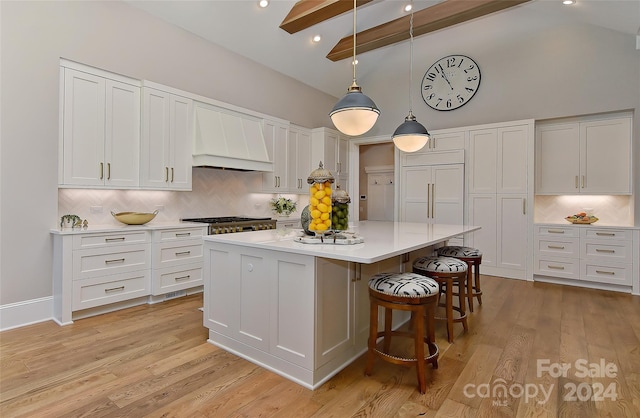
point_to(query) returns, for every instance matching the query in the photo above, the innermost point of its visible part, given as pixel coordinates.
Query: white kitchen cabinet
(96, 269)
(100, 129)
(432, 194)
(260, 300)
(177, 259)
(276, 137)
(445, 140)
(167, 121)
(586, 255)
(503, 236)
(590, 155)
(500, 197)
(498, 159)
(328, 146)
(299, 160)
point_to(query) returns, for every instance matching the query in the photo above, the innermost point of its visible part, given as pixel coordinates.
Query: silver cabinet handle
(524, 206)
(101, 171)
(600, 250)
(114, 239)
(177, 279)
(606, 234)
(117, 260)
(556, 247)
(183, 234)
(166, 174)
(555, 231)
(114, 289)
(183, 253)
(611, 273)
(577, 182)
(108, 171)
(583, 182)
(556, 267)
(171, 174)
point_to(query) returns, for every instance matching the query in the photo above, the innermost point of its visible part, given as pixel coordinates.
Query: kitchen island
(302, 310)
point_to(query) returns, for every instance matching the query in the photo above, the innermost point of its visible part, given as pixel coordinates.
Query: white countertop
(123, 228)
(597, 224)
(382, 240)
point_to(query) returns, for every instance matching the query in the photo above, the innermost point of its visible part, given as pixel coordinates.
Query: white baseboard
(15, 315)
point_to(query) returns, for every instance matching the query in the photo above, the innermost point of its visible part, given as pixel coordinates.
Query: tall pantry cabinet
(500, 196)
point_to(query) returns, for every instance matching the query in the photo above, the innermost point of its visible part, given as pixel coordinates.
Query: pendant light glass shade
(411, 136)
(354, 114)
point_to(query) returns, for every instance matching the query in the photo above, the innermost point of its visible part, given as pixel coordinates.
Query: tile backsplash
(215, 192)
(611, 210)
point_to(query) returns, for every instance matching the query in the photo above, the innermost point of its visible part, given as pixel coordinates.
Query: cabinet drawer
(608, 234)
(97, 291)
(569, 248)
(176, 278)
(81, 241)
(557, 231)
(110, 260)
(178, 234)
(557, 267)
(613, 273)
(608, 251)
(177, 253)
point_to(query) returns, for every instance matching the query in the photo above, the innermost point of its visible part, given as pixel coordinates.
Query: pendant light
(355, 113)
(411, 136)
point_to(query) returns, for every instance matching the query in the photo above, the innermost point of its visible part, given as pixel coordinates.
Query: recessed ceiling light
(317, 38)
(568, 2)
(263, 3)
(408, 7)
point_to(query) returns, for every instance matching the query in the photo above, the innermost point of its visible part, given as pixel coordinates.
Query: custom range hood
(225, 138)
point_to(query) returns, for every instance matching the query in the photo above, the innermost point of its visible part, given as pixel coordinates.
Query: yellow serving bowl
(134, 218)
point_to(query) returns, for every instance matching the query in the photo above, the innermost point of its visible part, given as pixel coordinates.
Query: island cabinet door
(291, 284)
(222, 291)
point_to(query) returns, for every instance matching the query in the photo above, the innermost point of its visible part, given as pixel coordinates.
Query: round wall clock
(450, 82)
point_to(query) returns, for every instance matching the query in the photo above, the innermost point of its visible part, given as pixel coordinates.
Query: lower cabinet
(97, 272)
(177, 259)
(585, 255)
(503, 236)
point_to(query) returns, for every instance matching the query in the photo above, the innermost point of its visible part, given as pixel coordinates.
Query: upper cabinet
(276, 138)
(100, 129)
(589, 155)
(299, 159)
(167, 121)
(332, 149)
(445, 140)
(498, 159)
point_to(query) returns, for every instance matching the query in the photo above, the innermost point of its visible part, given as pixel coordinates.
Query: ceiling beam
(306, 13)
(439, 16)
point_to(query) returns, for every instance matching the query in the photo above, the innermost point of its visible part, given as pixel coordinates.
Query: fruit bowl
(574, 219)
(134, 218)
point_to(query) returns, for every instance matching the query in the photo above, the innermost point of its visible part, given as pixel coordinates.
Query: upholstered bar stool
(448, 272)
(406, 292)
(473, 258)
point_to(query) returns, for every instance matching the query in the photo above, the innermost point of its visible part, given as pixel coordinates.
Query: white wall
(125, 40)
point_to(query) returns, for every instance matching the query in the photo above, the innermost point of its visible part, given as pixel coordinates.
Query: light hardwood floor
(153, 360)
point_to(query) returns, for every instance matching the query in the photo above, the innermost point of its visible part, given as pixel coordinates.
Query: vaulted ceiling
(440, 28)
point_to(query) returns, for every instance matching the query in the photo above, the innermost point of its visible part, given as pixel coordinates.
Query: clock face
(450, 82)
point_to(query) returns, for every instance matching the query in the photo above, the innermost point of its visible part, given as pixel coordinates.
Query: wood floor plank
(154, 361)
